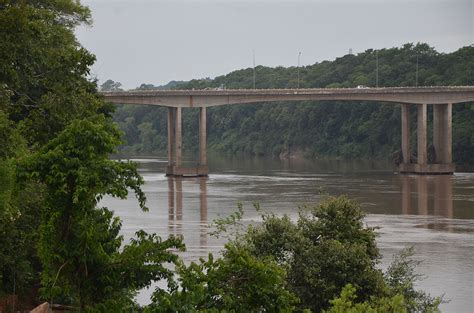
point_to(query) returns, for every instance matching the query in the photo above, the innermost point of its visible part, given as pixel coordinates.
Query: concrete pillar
(178, 138)
(202, 137)
(421, 134)
(406, 133)
(442, 132)
(437, 130)
(448, 135)
(171, 123)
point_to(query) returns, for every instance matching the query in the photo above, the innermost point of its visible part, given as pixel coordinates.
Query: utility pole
(299, 55)
(253, 52)
(416, 76)
(377, 68)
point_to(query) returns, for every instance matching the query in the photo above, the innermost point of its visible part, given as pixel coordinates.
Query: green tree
(19, 217)
(43, 67)
(237, 282)
(325, 250)
(84, 262)
(110, 85)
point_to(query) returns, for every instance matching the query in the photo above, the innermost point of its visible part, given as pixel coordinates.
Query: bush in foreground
(325, 261)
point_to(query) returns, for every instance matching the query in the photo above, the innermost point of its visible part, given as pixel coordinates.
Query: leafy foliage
(110, 85)
(329, 254)
(19, 217)
(79, 245)
(237, 282)
(43, 68)
(327, 249)
(401, 277)
(346, 303)
(55, 139)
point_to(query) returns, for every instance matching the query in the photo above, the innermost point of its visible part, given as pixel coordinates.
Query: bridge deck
(205, 97)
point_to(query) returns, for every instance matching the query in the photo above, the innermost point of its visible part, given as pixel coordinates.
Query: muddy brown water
(435, 214)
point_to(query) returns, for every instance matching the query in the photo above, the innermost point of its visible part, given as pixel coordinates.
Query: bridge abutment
(175, 152)
(441, 160)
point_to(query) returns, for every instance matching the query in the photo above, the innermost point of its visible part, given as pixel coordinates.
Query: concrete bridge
(442, 99)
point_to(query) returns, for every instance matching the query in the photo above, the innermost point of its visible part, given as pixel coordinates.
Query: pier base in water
(195, 171)
(426, 169)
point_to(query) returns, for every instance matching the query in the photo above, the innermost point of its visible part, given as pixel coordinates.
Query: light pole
(253, 52)
(299, 55)
(377, 68)
(416, 76)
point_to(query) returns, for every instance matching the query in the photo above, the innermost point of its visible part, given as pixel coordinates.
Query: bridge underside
(434, 159)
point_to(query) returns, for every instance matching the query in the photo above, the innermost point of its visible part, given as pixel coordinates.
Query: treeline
(318, 129)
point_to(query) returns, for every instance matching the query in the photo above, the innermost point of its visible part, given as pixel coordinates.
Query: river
(435, 214)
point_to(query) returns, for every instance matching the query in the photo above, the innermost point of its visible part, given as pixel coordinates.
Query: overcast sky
(155, 41)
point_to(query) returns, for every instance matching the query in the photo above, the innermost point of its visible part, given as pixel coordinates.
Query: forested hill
(317, 129)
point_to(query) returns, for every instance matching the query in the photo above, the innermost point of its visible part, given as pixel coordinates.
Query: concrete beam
(421, 135)
(206, 98)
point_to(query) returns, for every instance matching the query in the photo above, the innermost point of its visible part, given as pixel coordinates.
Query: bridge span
(442, 99)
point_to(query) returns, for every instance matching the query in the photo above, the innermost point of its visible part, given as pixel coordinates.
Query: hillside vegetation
(319, 129)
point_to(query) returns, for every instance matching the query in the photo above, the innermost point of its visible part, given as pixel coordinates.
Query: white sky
(155, 41)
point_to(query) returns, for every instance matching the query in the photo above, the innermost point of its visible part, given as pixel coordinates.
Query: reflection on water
(443, 205)
(175, 212)
(203, 210)
(433, 213)
(439, 188)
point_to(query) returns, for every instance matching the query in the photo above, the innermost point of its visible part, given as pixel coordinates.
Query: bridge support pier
(175, 152)
(406, 151)
(442, 132)
(441, 161)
